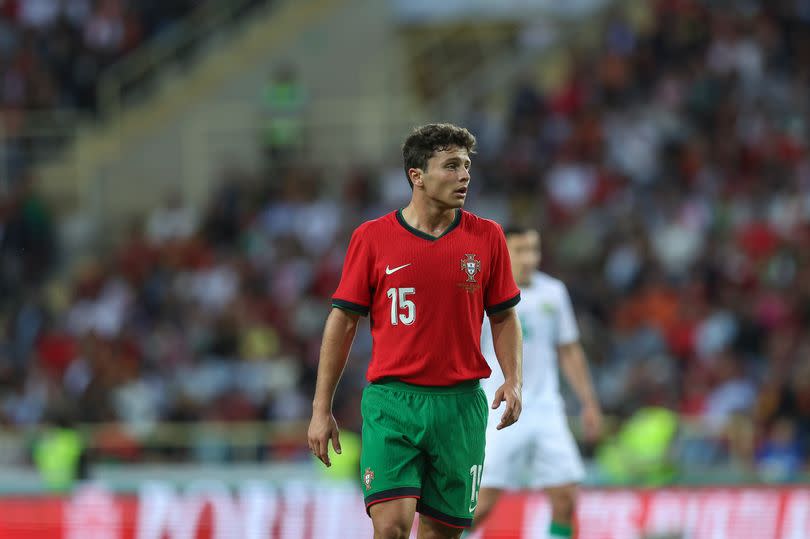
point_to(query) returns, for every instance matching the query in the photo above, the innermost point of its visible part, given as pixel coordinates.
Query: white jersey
(538, 451)
(547, 320)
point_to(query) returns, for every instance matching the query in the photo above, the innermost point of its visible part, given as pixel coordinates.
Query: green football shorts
(425, 443)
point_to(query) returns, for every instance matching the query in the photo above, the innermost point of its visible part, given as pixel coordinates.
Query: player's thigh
(393, 518)
(556, 460)
(455, 459)
(508, 455)
(391, 464)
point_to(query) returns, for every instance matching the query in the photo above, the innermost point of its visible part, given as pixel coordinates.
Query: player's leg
(558, 469)
(506, 464)
(455, 457)
(393, 519)
(563, 508)
(433, 529)
(391, 464)
(487, 498)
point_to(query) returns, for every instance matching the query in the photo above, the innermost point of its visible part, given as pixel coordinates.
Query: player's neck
(430, 220)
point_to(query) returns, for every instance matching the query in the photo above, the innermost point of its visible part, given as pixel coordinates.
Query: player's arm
(508, 342)
(575, 369)
(341, 326)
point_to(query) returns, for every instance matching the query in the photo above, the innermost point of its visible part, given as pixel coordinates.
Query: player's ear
(416, 176)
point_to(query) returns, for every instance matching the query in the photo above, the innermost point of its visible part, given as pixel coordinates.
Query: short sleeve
(568, 332)
(354, 291)
(501, 293)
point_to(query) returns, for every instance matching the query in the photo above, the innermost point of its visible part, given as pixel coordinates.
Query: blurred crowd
(52, 53)
(669, 175)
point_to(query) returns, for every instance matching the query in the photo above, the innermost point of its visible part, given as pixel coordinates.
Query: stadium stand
(669, 174)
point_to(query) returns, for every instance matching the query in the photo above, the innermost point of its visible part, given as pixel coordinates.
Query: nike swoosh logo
(389, 271)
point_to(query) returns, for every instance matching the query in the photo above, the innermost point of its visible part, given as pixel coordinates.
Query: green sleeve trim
(500, 307)
(349, 306)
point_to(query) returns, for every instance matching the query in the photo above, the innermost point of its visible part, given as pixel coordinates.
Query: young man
(425, 274)
(540, 452)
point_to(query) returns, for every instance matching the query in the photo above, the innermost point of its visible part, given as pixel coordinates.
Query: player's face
(446, 179)
(524, 252)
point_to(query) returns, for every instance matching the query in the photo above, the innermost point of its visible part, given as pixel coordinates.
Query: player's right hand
(512, 395)
(322, 428)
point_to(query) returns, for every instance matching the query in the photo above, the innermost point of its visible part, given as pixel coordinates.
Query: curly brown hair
(428, 139)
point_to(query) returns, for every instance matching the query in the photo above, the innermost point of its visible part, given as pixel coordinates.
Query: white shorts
(536, 452)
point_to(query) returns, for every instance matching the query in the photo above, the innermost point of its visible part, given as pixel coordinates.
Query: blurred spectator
(27, 242)
(60, 454)
(733, 392)
(640, 453)
(172, 222)
(779, 459)
(284, 102)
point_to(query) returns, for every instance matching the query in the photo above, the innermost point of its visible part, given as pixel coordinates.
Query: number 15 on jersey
(402, 309)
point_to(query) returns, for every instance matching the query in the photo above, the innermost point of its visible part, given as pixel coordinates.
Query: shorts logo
(368, 477)
(470, 266)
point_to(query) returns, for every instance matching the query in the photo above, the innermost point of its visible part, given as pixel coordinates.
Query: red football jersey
(427, 295)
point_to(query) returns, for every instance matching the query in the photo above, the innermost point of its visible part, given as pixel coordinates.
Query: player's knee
(430, 529)
(392, 529)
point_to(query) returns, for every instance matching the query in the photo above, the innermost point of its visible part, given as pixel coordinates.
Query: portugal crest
(368, 477)
(471, 267)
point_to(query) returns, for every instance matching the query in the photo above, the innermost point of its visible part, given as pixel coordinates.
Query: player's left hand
(322, 429)
(512, 395)
(591, 422)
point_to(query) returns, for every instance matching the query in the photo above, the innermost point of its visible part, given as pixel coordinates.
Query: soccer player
(426, 275)
(540, 452)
